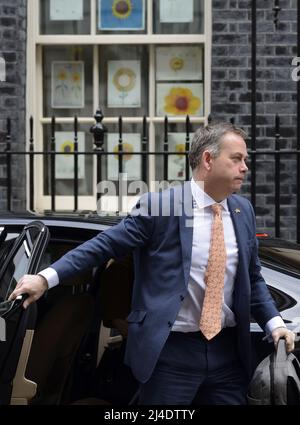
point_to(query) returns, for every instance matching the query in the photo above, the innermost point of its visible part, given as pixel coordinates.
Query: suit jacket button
(169, 324)
(181, 297)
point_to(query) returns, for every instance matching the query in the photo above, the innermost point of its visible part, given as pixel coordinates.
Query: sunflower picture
(179, 99)
(179, 63)
(131, 163)
(64, 164)
(118, 15)
(124, 84)
(176, 163)
(67, 84)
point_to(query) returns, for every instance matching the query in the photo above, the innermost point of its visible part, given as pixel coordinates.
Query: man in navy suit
(169, 234)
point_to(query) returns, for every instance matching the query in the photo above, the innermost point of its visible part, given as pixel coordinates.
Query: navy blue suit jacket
(159, 231)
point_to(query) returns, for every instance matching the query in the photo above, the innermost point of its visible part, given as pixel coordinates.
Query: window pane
(178, 16)
(64, 164)
(176, 170)
(65, 16)
(68, 79)
(121, 16)
(19, 264)
(179, 80)
(124, 80)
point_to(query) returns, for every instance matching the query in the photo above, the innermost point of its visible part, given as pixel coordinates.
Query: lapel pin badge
(237, 210)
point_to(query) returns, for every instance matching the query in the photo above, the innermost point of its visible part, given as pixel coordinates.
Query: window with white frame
(131, 58)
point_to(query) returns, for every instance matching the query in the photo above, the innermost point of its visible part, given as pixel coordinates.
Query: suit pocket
(136, 316)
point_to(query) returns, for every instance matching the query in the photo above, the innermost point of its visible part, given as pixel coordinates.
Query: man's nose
(244, 167)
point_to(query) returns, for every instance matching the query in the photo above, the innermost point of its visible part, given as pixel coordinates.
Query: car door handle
(9, 307)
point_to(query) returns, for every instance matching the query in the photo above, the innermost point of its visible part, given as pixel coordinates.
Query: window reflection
(178, 16)
(18, 265)
(66, 17)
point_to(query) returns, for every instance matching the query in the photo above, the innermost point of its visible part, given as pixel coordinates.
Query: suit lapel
(186, 222)
(238, 219)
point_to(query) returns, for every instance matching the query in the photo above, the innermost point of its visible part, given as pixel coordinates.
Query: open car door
(16, 324)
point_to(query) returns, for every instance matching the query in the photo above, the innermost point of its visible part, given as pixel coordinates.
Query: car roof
(280, 254)
(62, 219)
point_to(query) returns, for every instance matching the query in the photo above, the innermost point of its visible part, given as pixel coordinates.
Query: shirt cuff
(51, 277)
(275, 322)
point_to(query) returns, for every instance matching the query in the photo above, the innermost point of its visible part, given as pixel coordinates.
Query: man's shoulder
(164, 203)
(238, 201)
(176, 191)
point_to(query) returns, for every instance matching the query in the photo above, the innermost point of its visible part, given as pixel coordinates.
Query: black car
(66, 349)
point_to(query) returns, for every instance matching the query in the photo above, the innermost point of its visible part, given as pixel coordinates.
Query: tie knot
(217, 208)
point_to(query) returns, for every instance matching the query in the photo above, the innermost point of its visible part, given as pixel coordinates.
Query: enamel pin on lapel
(237, 210)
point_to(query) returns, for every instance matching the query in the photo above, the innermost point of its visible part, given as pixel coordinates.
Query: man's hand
(33, 285)
(289, 337)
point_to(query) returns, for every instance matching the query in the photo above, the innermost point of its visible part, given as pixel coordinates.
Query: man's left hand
(289, 337)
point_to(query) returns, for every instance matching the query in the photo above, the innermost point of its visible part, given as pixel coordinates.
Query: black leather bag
(276, 380)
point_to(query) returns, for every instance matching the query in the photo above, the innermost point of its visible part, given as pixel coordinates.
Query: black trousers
(192, 370)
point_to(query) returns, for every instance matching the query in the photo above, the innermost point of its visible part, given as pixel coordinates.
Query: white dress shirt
(189, 315)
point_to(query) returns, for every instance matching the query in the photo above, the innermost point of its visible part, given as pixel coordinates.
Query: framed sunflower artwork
(67, 84)
(132, 164)
(176, 163)
(124, 84)
(118, 15)
(179, 99)
(64, 164)
(179, 63)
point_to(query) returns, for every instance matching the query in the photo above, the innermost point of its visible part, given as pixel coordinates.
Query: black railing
(277, 153)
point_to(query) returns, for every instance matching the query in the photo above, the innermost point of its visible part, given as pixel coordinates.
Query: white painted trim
(114, 120)
(65, 203)
(150, 16)
(120, 39)
(93, 17)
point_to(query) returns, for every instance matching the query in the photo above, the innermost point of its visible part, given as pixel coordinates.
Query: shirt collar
(202, 199)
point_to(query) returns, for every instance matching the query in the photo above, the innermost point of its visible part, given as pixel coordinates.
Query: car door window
(24, 255)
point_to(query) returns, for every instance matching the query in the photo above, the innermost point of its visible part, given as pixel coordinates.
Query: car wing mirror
(7, 308)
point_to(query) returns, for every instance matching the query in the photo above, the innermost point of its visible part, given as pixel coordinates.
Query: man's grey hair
(209, 138)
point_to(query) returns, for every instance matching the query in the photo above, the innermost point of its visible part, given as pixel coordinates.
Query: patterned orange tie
(210, 321)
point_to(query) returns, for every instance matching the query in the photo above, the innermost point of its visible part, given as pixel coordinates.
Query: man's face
(227, 171)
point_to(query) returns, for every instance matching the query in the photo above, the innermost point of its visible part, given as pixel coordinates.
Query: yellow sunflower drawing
(181, 101)
(62, 75)
(76, 77)
(67, 147)
(179, 148)
(176, 64)
(122, 8)
(124, 79)
(127, 147)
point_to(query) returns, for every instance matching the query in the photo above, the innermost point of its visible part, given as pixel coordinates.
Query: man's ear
(206, 160)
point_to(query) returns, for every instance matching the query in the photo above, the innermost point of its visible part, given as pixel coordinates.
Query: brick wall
(12, 94)
(276, 93)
